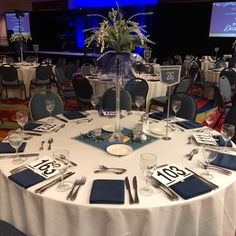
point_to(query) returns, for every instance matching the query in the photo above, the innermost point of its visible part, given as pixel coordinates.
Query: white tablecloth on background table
(50, 214)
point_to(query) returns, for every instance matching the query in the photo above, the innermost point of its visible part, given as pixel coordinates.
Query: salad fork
(81, 183)
(76, 183)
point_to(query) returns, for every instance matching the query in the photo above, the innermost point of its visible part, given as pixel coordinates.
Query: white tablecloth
(50, 214)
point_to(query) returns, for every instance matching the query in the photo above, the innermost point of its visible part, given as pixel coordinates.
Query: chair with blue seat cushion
(7, 229)
(137, 87)
(37, 105)
(44, 77)
(109, 100)
(9, 79)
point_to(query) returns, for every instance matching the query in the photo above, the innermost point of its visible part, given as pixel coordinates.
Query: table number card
(46, 127)
(171, 174)
(45, 167)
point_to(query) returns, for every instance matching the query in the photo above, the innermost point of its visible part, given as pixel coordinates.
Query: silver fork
(76, 183)
(112, 168)
(81, 183)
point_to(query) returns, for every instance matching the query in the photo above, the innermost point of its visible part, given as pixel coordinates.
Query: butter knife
(61, 119)
(20, 155)
(131, 200)
(52, 183)
(135, 184)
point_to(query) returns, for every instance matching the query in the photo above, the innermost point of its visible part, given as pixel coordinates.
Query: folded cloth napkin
(7, 148)
(189, 124)
(190, 187)
(221, 142)
(26, 178)
(74, 115)
(107, 191)
(157, 116)
(225, 160)
(31, 126)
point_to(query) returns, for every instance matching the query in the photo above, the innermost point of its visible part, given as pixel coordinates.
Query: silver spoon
(42, 143)
(50, 141)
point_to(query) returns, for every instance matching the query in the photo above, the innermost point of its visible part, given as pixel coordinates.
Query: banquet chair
(87, 69)
(232, 62)
(230, 118)
(83, 90)
(184, 86)
(37, 105)
(109, 100)
(10, 60)
(220, 64)
(10, 79)
(44, 77)
(61, 62)
(177, 60)
(231, 76)
(137, 87)
(70, 70)
(31, 59)
(188, 107)
(225, 89)
(7, 229)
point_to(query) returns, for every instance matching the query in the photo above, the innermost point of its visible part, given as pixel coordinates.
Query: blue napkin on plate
(7, 148)
(190, 187)
(31, 126)
(225, 160)
(189, 124)
(26, 178)
(157, 116)
(74, 115)
(107, 191)
(221, 142)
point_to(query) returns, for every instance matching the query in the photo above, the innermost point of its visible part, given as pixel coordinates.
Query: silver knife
(131, 200)
(135, 184)
(52, 183)
(20, 155)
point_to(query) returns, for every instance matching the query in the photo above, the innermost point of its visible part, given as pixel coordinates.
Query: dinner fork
(76, 183)
(112, 168)
(81, 183)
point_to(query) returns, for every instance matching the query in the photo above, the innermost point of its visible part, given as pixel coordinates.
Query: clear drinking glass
(94, 101)
(50, 106)
(62, 163)
(22, 118)
(15, 138)
(147, 163)
(139, 101)
(227, 132)
(176, 105)
(209, 118)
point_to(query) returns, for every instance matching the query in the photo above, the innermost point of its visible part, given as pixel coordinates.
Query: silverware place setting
(76, 186)
(115, 170)
(192, 153)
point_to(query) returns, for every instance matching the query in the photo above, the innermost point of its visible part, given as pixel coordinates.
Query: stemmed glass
(176, 105)
(22, 118)
(147, 163)
(227, 132)
(139, 101)
(61, 162)
(50, 106)
(94, 101)
(15, 138)
(147, 54)
(209, 155)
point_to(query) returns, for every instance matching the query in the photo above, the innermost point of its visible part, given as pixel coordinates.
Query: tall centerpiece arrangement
(118, 35)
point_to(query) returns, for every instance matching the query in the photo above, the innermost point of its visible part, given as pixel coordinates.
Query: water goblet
(94, 101)
(50, 106)
(22, 118)
(176, 105)
(147, 54)
(61, 163)
(147, 163)
(227, 132)
(139, 101)
(15, 138)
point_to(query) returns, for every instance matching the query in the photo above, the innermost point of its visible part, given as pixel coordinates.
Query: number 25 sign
(170, 75)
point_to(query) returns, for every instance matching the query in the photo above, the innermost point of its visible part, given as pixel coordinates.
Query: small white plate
(109, 128)
(119, 149)
(158, 131)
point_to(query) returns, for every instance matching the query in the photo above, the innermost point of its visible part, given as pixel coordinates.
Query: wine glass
(50, 106)
(61, 162)
(94, 101)
(176, 105)
(22, 118)
(209, 155)
(139, 100)
(15, 138)
(147, 163)
(209, 118)
(227, 132)
(147, 54)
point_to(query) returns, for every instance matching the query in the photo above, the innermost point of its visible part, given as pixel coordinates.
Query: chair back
(87, 69)
(30, 59)
(220, 64)
(9, 74)
(178, 60)
(37, 105)
(109, 100)
(70, 70)
(230, 74)
(61, 62)
(195, 72)
(225, 88)
(219, 102)
(7, 229)
(184, 85)
(60, 76)
(230, 118)
(44, 72)
(10, 60)
(188, 106)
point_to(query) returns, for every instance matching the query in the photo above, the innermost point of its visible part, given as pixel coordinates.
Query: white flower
(20, 37)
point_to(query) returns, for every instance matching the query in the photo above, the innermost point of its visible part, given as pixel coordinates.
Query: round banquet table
(50, 214)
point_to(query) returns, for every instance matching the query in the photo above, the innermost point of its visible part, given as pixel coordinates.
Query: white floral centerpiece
(25, 37)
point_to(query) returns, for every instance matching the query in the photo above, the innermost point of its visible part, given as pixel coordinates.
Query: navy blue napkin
(31, 126)
(190, 187)
(189, 124)
(7, 148)
(74, 115)
(221, 142)
(107, 191)
(26, 178)
(157, 116)
(225, 160)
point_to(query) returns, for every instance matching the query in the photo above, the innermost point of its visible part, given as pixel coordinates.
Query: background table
(50, 214)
